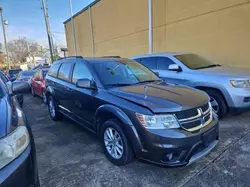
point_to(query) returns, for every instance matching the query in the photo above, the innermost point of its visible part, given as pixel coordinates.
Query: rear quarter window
(54, 70)
(64, 71)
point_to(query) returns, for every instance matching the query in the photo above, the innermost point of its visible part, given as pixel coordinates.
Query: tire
(21, 104)
(44, 97)
(53, 111)
(126, 153)
(33, 92)
(20, 99)
(217, 97)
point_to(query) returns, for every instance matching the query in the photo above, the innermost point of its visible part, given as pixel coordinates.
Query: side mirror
(86, 83)
(20, 87)
(174, 67)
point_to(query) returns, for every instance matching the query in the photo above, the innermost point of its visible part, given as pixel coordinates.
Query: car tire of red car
(33, 92)
(53, 111)
(115, 143)
(44, 97)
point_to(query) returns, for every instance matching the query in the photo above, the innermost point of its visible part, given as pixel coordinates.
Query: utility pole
(150, 27)
(48, 30)
(73, 28)
(5, 38)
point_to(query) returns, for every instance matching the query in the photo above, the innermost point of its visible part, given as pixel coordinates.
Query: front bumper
(240, 99)
(177, 147)
(20, 172)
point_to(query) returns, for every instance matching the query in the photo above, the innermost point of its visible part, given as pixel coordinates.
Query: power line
(58, 32)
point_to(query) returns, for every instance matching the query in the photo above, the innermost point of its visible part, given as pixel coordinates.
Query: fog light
(247, 99)
(169, 156)
(172, 157)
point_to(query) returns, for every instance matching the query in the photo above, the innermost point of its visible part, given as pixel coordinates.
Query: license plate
(209, 137)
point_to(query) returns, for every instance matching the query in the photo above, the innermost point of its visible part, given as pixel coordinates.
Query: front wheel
(54, 113)
(218, 103)
(115, 143)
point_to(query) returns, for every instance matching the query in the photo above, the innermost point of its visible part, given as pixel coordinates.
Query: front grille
(191, 124)
(194, 119)
(206, 118)
(187, 114)
(205, 107)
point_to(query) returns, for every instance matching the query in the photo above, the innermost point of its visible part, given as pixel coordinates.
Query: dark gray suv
(133, 111)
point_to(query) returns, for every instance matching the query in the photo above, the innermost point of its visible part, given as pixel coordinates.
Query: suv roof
(89, 59)
(161, 54)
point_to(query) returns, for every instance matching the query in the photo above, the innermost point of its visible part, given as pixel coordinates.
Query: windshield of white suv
(194, 61)
(122, 72)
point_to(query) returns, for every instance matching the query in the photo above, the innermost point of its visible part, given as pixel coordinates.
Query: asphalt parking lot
(70, 156)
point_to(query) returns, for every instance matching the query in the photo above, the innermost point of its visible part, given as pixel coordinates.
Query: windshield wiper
(118, 84)
(209, 66)
(148, 81)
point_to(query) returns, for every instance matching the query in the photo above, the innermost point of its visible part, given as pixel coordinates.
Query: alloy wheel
(52, 108)
(32, 91)
(44, 98)
(215, 105)
(113, 143)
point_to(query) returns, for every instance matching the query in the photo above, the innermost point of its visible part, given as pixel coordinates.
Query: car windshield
(27, 73)
(194, 61)
(123, 72)
(14, 71)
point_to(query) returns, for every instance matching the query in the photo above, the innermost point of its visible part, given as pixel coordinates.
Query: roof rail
(110, 57)
(70, 57)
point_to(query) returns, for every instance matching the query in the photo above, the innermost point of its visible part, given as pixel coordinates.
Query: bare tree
(21, 48)
(1, 47)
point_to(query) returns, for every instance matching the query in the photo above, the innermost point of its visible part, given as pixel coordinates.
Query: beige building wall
(217, 29)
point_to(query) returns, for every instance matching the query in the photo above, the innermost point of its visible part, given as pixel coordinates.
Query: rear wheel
(33, 92)
(54, 113)
(44, 97)
(115, 143)
(218, 102)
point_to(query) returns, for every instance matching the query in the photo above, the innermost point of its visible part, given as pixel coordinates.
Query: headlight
(158, 121)
(240, 83)
(13, 145)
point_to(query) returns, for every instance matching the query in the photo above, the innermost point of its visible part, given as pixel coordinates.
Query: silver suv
(228, 87)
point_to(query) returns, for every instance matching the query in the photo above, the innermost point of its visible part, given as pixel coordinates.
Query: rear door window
(53, 70)
(64, 71)
(150, 62)
(163, 63)
(3, 78)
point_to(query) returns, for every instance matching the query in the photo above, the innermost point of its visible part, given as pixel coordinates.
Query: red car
(38, 84)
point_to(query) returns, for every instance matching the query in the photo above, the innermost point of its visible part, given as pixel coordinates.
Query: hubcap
(214, 104)
(113, 143)
(52, 108)
(44, 98)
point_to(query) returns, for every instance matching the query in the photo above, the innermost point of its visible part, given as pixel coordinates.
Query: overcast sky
(26, 18)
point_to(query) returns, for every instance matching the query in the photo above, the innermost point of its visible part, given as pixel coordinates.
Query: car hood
(227, 71)
(3, 114)
(161, 98)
